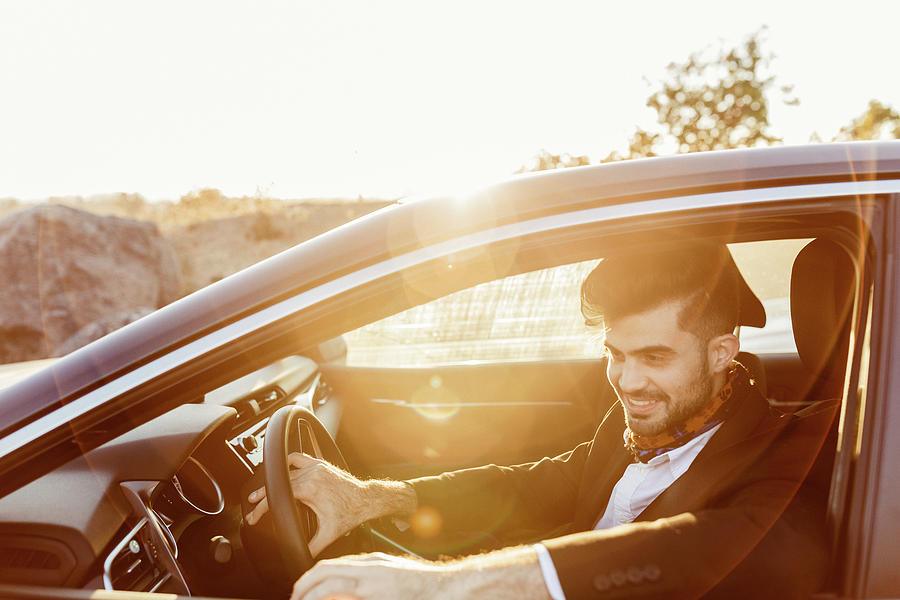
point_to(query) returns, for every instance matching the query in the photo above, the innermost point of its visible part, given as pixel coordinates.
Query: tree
(642, 145)
(544, 161)
(704, 104)
(711, 104)
(878, 122)
(720, 103)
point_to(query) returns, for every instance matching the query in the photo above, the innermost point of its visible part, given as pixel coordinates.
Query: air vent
(134, 565)
(34, 559)
(260, 404)
(26, 558)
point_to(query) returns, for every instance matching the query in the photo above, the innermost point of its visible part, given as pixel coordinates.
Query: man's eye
(655, 358)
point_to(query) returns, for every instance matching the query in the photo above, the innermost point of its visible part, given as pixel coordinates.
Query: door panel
(402, 423)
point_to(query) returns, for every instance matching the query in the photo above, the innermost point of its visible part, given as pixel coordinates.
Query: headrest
(822, 287)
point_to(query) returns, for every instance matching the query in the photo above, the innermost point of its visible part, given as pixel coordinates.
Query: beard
(691, 398)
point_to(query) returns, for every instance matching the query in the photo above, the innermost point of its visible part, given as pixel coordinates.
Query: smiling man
(690, 487)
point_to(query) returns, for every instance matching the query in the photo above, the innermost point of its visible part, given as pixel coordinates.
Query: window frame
(331, 307)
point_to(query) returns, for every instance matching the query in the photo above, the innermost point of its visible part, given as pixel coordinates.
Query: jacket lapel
(739, 442)
(606, 464)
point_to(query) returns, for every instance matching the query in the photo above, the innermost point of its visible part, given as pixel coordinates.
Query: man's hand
(339, 500)
(513, 574)
(370, 576)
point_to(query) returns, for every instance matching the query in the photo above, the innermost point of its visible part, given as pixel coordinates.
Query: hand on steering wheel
(334, 496)
(331, 493)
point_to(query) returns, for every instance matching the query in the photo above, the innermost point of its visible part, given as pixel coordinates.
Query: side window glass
(532, 316)
(536, 316)
(766, 266)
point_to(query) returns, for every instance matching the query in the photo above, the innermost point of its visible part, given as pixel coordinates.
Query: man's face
(660, 372)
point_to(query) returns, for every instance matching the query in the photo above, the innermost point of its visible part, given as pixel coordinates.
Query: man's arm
(537, 496)
(513, 573)
(339, 500)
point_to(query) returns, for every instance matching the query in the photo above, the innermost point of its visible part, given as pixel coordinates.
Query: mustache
(643, 395)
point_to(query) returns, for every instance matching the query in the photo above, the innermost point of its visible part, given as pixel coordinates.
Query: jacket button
(602, 582)
(635, 575)
(619, 578)
(652, 572)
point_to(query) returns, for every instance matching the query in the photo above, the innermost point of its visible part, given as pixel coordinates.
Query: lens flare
(434, 401)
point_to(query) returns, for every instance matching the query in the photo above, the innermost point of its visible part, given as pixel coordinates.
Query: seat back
(822, 288)
(755, 368)
(823, 284)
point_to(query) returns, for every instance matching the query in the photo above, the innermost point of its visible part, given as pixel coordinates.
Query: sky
(383, 99)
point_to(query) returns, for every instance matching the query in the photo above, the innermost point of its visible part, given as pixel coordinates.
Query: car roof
(12, 373)
(401, 228)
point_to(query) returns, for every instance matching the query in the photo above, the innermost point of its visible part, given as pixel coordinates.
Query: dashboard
(158, 508)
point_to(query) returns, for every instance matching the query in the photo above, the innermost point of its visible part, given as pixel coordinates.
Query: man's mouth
(637, 405)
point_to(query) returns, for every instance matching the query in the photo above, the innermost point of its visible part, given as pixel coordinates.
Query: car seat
(823, 284)
(822, 287)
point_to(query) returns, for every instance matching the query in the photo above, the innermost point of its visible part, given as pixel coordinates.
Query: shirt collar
(679, 459)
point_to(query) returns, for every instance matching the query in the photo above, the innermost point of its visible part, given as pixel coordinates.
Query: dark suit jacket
(738, 523)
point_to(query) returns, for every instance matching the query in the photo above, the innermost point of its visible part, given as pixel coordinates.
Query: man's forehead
(658, 326)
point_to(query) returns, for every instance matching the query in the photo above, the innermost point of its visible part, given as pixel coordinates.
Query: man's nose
(631, 377)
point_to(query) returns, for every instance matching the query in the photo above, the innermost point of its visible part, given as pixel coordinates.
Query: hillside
(216, 235)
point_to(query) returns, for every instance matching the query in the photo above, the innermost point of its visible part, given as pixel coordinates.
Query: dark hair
(701, 276)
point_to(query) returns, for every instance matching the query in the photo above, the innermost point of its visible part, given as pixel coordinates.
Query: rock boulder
(68, 272)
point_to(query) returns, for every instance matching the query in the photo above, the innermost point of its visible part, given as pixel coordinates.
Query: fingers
(373, 557)
(298, 489)
(331, 589)
(313, 482)
(369, 576)
(257, 495)
(300, 460)
(321, 583)
(258, 511)
(296, 460)
(330, 528)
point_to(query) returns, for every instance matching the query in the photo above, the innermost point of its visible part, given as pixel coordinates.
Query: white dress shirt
(638, 487)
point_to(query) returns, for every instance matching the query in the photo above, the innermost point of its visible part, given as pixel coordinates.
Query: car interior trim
(125, 541)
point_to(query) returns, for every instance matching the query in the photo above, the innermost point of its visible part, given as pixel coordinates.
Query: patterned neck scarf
(645, 447)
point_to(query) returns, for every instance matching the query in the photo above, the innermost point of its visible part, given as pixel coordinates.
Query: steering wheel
(294, 429)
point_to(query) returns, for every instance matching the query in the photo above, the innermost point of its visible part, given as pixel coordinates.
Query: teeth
(641, 402)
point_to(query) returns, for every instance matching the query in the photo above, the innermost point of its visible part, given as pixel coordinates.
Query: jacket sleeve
(536, 496)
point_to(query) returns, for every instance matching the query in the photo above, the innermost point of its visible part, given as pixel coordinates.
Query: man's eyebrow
(655, 349)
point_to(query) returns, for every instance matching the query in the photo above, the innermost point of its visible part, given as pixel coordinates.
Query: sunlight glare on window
(532, 316)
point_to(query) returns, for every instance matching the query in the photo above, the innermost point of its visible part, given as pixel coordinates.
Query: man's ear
(722, 350)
